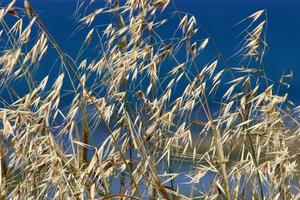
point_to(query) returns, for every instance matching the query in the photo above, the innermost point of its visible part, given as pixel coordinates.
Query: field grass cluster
(142, 112)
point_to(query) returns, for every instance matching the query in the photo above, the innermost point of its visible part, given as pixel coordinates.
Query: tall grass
(133, 94)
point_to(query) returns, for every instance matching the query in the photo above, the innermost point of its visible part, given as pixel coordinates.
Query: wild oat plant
(142, 112)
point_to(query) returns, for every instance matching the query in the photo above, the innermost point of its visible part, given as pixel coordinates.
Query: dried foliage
(130, 130)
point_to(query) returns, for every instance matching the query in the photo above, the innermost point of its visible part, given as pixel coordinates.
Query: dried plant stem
(219, 148)
(3, 172)
(143, 153)
(222, 161)
(256, 165)
(85, 134)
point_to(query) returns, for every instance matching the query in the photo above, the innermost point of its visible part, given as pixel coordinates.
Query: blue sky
(217, 16)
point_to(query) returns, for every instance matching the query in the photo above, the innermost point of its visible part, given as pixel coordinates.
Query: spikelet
(161, 4)
(9, 60)
(189, 105)
(256, 15)
(83, 64)
(152, 71)
(90, 18)
(10, 6)
(2, 13)
(7, 128)
(203, 45)
(150, 131)
(177, 69)
(212, 67)
(26, 33)
(28, 9)
(89, 37)
(183, 23)
(17, 27)
(120, 96)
